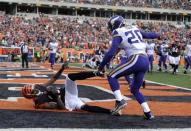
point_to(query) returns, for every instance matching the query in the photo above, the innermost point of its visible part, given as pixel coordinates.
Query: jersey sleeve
(116, 33)
(150, 35)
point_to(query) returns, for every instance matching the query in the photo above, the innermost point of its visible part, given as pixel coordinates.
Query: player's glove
(99, 73)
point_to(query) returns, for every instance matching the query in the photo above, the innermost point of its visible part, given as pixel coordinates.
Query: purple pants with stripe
(188, 61)
(52, 58)
(127, 78)
(162, 60)
(151, 59)
(136, 65)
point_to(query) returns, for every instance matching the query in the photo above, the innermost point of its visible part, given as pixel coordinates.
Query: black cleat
(119, 105)
(99, 73)
(148, 116)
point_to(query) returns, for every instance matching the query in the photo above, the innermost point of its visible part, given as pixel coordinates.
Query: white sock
(145, 107)
(118, 95)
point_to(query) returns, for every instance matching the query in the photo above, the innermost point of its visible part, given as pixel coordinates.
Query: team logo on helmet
(115, 22)
(29, 92)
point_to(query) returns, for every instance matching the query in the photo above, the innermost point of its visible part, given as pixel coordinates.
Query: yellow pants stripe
(122, 66)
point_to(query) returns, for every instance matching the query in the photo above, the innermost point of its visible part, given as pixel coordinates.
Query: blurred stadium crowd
(70, 32)
(165, 4)
(85, 33)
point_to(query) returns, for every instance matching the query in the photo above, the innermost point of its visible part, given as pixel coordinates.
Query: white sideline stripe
(183, 88)
(13, 99)
(80, 129)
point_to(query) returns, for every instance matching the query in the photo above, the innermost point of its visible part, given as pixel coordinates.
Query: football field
(171, 105)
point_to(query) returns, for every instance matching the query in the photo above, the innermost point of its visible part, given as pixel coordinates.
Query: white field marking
(35, 75)
(9, 79)
(183, 88)
(14, 88)
(39, 70)
(16, 75)
(13, 99)
(81, 129)
(85, 99)
(106, 90)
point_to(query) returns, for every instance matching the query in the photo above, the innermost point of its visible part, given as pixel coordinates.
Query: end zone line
(81, 129)
(183, 88)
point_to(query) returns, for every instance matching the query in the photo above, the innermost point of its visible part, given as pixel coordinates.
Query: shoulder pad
(115, 33)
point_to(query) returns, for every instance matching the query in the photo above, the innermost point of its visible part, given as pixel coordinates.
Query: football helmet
(29, 92)
(115, 22)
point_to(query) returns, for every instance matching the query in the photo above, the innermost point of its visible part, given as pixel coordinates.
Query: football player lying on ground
(46, 96)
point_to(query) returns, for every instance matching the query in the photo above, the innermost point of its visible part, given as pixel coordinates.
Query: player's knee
(134, 91)
(110, 77)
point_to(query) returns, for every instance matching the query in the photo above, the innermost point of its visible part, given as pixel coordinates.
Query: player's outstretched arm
(150, 35)
(84, 75)
(57, 75)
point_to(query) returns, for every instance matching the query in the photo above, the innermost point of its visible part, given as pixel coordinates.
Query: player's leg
(151, 59)
(164, 63)
(52, 59)
(138, 80)
(72, 100)
(26, 60)
(188, 63)
(186, 66)
(123, 69)
(134, 65)
(170, 59)
(127, 78)
(160, 63)
(176, 62)
(84, 75)
(22, 60)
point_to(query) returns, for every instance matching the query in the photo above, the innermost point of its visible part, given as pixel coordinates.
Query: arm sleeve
(150, 35)
(112, 51)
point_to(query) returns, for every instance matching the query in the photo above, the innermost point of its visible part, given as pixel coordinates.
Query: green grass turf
(168, 78)
(179, 79)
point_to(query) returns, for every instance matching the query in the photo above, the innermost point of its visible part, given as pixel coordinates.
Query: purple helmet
(115, 22)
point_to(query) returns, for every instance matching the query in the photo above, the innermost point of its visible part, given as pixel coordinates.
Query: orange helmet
(28, 91)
